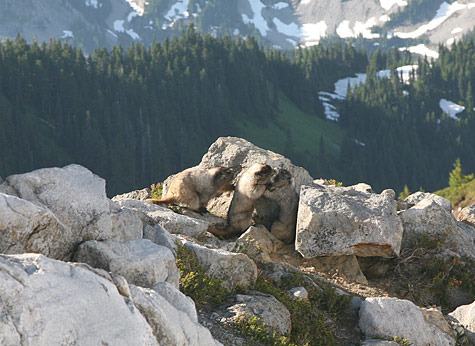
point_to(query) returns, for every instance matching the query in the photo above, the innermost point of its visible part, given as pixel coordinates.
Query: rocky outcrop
(140, 261)
(419, 196)
(259, 243)
(48, 302)
(343, 221)
(233, 269)
(383, 317)
(465, 314)
(233, 151)
(429, 218)
(467, 215)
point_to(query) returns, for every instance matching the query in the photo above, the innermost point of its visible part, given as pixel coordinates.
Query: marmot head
(224, 177)
(279, 180)
(262, 173)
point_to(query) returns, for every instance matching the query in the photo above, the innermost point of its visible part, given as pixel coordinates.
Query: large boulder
(126, 223)
(334, 221)
(419, 196)
(233, 151)
(47, 302)
(75, 195)
(177, 299)
(382, 317)
(428, 217)
(259, 243)
(171, 221)
(27, 227)
(233, 269)
(170, 325)
(266, 307)
(140, 261)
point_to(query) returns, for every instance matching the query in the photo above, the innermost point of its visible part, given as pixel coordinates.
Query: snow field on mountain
(178, 10)
(443, 13)
(421, 49)
(450, 108)
(387, 4)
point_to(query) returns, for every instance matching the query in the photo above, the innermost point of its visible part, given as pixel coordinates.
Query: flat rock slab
(383, 317)
(334, 221)
(171, 221)
(233, 269)
(140, 261)
(465, 314)
(48, 302)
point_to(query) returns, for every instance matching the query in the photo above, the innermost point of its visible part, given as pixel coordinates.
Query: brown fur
(282, 192)
(250, 186)
(195, 186)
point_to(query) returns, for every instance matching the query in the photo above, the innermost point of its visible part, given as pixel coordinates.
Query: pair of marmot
(194, 187)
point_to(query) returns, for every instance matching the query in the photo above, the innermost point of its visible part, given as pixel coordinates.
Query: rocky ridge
(79, 268)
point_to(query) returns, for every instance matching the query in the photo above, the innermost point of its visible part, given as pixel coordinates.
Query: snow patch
(456, 30)
(257, 19)
(236, 32)
(136, 7)
(93, 3)
(451, 41)
(112, 33)
(305, 2)
(344, 31)
(119, 25)
(291, 29)
(421, 49)
(280, 5)
(313, 32)
(359, 143)
(133, 34)
(67, 33)
(132, 15)
(384, 18)
(178, 10)
(443, 13)
(450, 108)
(387, 4)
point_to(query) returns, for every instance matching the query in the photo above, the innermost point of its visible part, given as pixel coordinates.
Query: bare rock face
(177, 299)
(427, 217)
(260, 243)
(383, 317)
(233, 269)
(467, 215)
(140, 261)
(170, 325)
(141, 195)
(126, 223)
(48, 302)
(233, 151)
(26, 227)
(334, 221)
(272, 313)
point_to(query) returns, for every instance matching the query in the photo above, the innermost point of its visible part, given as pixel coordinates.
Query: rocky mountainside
(419, 25)
(365, 269)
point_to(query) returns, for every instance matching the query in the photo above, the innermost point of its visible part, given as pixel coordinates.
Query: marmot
(281, 190)
(250, 186)
(195, 186)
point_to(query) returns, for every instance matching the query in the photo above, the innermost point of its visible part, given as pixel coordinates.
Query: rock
(429, 218)
(126, 223)
(383, 317)
(171, 221)
(375, 267)
(342, 221)
(170, 325)
(419, 196)
(233, 269)
(465, 314)
(177, 299)
(272, 313)
(467, 215)
(48, 302)
(160, 236)
(26, 227)
(140, 261)
(346, 266)
(233, 151)
(75, 195)
(376, 342)
(299, 293)
(141, 195)
(260, 244)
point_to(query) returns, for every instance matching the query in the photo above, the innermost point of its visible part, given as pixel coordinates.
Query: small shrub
(157, 190)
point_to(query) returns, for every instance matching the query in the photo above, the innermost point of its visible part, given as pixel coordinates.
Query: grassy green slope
(460, 196)
(296, 135)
